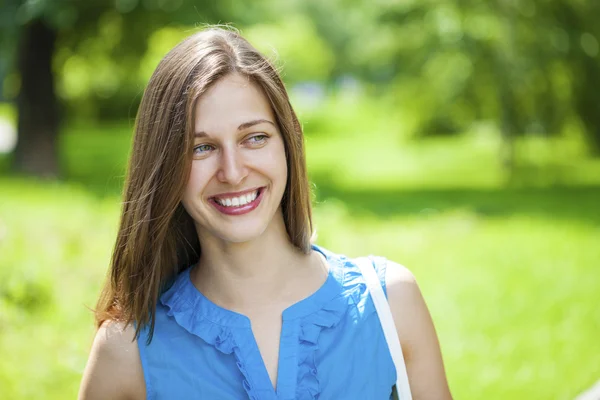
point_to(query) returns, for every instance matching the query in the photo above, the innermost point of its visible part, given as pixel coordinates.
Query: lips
(238, 203)
(235, 201)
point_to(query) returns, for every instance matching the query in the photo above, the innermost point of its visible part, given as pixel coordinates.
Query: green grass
(54, 248)
(510, 275)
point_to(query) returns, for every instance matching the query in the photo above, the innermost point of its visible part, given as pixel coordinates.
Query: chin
(240, 235)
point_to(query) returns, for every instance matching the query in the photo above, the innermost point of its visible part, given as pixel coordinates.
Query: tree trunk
(507, 76)
(36, 152)
(587, 103)
(585, 69)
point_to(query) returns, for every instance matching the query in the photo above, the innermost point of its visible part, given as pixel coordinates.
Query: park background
(458, 137)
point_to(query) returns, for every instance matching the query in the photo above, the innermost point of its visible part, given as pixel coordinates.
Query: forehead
(231, 101)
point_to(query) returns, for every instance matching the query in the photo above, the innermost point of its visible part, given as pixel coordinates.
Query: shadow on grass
(575, 203)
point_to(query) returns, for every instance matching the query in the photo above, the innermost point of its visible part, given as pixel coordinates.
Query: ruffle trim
(356, 287)
(183, 306)
(311, 327)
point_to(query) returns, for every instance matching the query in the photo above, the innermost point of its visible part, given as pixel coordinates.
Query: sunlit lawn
(510, 275)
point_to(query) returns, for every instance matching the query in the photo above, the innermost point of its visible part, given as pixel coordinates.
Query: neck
(250, 275)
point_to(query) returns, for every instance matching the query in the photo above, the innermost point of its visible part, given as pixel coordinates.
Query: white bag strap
(387, 323)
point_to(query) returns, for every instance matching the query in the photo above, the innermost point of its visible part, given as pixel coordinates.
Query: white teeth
(238, 201)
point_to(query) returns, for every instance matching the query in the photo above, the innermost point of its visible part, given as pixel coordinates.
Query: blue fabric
(332, 345)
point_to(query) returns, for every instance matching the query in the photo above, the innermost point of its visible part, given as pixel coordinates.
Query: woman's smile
(238, 203)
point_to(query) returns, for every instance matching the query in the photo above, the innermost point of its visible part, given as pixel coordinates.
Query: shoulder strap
(388, 325)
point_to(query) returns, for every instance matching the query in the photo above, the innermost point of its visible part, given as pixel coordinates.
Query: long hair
(157, 238)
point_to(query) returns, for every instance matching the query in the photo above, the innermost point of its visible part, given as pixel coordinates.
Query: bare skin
(114, 370)
(420, 345)
(248, 264)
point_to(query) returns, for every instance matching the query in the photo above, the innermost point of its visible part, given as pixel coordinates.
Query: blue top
(332, 345)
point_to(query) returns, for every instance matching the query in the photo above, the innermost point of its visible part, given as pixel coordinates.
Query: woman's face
(239, 169)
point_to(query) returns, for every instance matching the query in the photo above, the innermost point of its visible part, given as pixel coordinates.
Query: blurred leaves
(295, 46)
(447, 66)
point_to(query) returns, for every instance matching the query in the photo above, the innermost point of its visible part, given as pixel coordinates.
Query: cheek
(284, 168)
(279, 162)
(188, 198)
(197, 181)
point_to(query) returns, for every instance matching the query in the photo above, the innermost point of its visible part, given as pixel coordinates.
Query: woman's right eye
(202, 149)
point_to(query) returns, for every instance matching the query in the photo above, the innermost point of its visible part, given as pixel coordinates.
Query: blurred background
(458, 137)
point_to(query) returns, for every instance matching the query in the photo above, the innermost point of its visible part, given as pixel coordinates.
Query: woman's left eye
(202, 149)
(258, 139)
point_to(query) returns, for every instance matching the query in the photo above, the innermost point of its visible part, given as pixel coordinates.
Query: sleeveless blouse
(331, 346)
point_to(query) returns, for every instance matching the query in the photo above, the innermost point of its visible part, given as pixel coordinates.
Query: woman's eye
(202, 149)
(258, 139)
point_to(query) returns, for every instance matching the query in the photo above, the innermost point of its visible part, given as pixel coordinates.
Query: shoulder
(401, 284)
(407, 304)
(397, 275)
(417, 334)
(114, 369)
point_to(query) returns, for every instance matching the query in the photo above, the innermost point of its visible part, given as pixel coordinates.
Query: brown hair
(157, 238)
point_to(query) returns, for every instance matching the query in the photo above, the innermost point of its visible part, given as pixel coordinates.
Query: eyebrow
(242, 126)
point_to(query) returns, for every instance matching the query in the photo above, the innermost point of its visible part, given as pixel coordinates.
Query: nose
(232, 168)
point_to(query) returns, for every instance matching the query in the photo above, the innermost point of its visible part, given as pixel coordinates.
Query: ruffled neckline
(184, 298)
(231, 333)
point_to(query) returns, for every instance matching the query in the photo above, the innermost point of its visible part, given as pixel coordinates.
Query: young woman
(215, 289)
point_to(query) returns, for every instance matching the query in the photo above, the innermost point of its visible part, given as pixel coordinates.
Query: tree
(41, 27)
(38, 114)
(527, 66)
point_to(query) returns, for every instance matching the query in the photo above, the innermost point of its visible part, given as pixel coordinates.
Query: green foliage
(96, 156)
(449, 65)
(100, 44)
(159, 43)
(293, 43)
(25, 292)
(523, 66)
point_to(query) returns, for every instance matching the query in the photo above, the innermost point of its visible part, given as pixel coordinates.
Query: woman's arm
(418, 339)
(114, 370)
